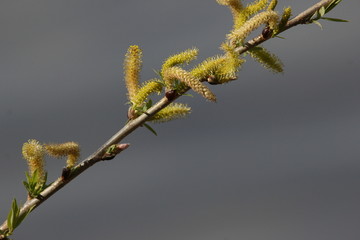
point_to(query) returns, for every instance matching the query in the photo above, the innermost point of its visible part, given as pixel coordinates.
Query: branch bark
(97, 156)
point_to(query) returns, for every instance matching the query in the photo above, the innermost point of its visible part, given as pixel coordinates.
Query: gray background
(277, 157)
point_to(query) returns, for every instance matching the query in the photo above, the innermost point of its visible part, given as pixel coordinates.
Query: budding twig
(132, 125)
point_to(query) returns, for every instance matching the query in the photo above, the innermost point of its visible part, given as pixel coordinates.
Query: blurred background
(277, 157)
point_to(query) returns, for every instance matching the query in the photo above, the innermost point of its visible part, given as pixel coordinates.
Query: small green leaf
(280, 37)
(334, 19)
(149, 104)
(332, 5)
(150, 128)
(22, 217)
(14, 218)
(317, 23)
(26, 184)
(15, 207)
(11, 219)
(34, 184)
(321, 11)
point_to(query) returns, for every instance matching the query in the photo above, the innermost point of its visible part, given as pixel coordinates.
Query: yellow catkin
(272, 5)
(284, 18)
(171, 112)
(180, 58)
(132, 66)
(247, 12)
(268, 60)
(267, 17)
(233, 63)
(149, 87)
(236, 8)
(176, 73)
(256, 6)
(232, 3)
(69, 149)
(34, 153)
(218, 70)
(208, 67)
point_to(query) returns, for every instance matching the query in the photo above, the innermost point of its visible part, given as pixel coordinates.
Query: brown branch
(304, 17)
(134, 124)
(301, 18)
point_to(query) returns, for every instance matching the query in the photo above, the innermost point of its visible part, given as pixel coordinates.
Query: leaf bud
(132, 114)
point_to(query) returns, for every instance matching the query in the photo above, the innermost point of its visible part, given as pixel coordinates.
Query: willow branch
(97, 156)
(301, 18)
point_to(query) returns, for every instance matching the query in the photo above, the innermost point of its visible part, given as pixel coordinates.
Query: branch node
(114, 150)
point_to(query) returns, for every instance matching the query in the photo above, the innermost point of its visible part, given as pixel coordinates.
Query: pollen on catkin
(272, 5)
(232, 3)
(284, 18)
(252, 8)
(34, 153)
(268, 60)
(147, 88)
(132, 67)
(236, 8)
(69, 149)
(176, 73)
(266, 17)
(180, 58)
(171, 112)
(218, 70)
(232, 65)
(208, 67)
(256, 6)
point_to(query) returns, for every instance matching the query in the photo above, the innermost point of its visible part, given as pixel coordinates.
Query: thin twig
(139, 121)
(304, 17)
(301, 18)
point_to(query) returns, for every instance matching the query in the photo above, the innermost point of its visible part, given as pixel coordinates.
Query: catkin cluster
(138, 94)
(219, 69)
(215, 70)
(69, 149)
(34, 153)
(249, 18)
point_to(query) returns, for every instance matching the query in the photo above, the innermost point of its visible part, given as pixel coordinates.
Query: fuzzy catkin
(236, 8)
(268, 60)
(132, 66)
(269, 17)
(180, 58)
(34, 153)
(149, 87)
(70, 149)
(240, 17)
(256, 7)
(185, 77)
(171, 112)
(208, 67)
(284, 18)
(272, 5)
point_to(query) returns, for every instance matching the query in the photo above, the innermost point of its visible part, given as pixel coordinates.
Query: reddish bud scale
(267, 32)
(65, 173)
(212, 80)
(132, 114)
(170, 95)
